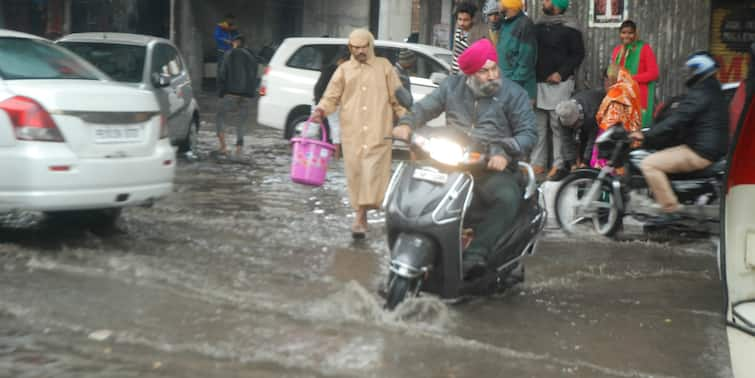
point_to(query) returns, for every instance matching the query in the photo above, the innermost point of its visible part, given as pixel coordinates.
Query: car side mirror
(438, 77)
(160, 80)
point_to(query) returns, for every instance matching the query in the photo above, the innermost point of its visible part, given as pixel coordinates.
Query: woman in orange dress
(621, 105)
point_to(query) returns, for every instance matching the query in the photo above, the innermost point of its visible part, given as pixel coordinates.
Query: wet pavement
(241, 273)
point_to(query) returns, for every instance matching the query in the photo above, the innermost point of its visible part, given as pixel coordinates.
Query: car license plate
(430, 175)
(118, 134)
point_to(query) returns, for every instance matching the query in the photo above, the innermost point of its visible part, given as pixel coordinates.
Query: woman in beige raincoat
(364, 88)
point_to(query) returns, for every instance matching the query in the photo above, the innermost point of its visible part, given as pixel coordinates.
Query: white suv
(71, 140)
(286, 91)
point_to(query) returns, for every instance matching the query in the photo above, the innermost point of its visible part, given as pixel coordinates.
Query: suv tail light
(263, 85)
(31, 122)
(163, 127)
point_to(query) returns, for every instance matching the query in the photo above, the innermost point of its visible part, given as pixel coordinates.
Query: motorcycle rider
(495, 111)
(691, 138)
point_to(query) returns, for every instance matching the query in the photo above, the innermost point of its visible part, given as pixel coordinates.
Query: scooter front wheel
(575, 215)
(398, 289)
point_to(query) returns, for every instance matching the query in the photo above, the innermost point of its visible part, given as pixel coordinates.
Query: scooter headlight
(445, 151)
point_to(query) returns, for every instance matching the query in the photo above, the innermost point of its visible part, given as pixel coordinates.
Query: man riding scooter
(691, 138)
(494, 111)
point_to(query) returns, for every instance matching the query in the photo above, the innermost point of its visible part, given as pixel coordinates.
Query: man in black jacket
(699, 125)
(560, 52)
(237, 85)
(577, 117)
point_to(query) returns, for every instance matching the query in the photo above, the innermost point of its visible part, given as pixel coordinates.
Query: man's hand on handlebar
(402, 132)
(497, 163)
(637, 135)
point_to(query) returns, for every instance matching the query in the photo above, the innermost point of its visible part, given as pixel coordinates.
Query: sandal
(358, 231)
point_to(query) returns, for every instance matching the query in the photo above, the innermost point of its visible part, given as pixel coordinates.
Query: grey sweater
(505, 120)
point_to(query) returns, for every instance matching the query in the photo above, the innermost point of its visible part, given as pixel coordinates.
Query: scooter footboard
(412, 255)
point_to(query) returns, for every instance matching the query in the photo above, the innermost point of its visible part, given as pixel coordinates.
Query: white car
(71, 140)
(143, 61)
(286, 90)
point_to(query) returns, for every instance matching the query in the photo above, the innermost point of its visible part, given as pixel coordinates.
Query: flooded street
(241, 273)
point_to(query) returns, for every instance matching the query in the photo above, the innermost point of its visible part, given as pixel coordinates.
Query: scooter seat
(713, 170)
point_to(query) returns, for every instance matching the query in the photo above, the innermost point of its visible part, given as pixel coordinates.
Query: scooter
(600, 199)
(429, 221)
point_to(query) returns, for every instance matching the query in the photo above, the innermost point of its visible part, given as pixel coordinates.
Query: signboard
(732, 33)
(608, 13)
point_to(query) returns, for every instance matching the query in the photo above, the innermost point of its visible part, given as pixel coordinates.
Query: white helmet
(699, 65)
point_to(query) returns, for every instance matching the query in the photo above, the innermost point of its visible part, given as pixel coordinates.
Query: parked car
(71, 140)
(737, 245)
(149, 63)
(286, 90)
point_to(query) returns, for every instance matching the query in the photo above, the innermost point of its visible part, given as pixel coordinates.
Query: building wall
(335, 18)
(395, 20)
(673, 28)
(733, 30)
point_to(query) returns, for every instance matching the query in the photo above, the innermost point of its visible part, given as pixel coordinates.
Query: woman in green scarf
(638, 58)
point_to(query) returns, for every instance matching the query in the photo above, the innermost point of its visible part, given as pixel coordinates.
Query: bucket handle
(323, 134)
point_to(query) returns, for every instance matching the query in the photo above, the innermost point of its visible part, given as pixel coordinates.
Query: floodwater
(241, 273)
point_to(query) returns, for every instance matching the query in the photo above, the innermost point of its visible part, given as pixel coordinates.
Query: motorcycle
(600, 199)
(429, 221)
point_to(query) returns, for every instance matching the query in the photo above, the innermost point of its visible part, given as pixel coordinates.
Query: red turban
(476, 55)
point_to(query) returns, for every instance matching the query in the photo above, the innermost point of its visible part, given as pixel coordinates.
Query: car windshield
(445, 57)
(27, 59)
(121, 62)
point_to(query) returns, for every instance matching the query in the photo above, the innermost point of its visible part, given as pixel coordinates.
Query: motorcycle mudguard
(413, 255)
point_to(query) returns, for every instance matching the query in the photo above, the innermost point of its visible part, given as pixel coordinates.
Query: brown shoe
(358, 230)
(552, 172)
(538, 169)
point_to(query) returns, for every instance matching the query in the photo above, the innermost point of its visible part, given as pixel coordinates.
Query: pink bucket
(309, 163)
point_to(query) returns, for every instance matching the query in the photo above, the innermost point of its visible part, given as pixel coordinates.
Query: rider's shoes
(664, 220)
(558, 174)
(473, 267)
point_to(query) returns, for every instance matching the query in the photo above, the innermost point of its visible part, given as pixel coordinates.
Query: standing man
(492, 12)
(237, 85)
(560, 52)
(364, 88)
(405, 67)
(225, 32)
(517, 47)
(463, 37)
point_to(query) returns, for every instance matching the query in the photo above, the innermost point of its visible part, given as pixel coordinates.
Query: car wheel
(294, 126)
(190, 140)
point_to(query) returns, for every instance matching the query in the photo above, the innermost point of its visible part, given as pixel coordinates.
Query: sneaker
(664, 220)
(473, 266)
(558, 174)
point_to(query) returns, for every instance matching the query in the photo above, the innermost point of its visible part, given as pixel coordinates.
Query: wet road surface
(242, 274)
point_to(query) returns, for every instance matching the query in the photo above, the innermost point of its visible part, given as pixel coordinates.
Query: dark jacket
(559, 49)
(238, 74)
(322, 82)
(590, 100)
(700, 121)
(517, 52)
(505, 121)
